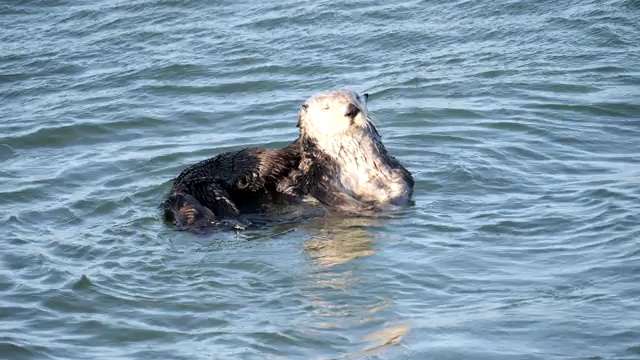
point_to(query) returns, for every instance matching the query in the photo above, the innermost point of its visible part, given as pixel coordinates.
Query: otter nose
(352, 111)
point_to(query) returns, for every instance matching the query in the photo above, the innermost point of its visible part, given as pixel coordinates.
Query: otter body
(339, 159)
(211, 193)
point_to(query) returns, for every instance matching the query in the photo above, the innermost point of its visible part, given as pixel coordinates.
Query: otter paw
(235, 224)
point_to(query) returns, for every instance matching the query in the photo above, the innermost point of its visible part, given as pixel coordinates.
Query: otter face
(334, 113)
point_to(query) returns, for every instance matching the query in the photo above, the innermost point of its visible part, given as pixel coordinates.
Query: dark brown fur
(212, 192)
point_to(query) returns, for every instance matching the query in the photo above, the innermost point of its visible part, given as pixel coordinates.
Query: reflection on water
(385, 337)
(338, 240)
(340, 294)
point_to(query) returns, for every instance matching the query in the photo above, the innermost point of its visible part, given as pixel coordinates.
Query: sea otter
(338, 159)
(343, 161)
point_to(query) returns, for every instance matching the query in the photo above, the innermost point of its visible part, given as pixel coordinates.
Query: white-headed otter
(344, 163)
(339, 159)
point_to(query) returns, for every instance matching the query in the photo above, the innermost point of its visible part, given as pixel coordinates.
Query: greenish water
(520, 121)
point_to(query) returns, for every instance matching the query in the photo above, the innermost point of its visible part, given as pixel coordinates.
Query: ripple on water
(518, 121)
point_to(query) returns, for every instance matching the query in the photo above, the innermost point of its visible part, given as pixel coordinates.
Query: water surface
(520, 121)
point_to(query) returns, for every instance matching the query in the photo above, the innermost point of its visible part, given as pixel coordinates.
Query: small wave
(16, 349)
(603, 109)
(80, 133)
(170, 72)
(443, 138)
(244, 87)
(492, 74)
(515, 126)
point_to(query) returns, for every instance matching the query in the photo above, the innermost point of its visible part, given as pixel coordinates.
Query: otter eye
(352, 111)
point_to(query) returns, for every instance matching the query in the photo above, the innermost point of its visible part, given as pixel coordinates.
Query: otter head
(335, 114)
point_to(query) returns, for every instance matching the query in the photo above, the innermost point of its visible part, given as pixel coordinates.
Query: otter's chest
(370, 179)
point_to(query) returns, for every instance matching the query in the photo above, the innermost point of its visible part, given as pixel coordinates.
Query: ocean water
(519, 119)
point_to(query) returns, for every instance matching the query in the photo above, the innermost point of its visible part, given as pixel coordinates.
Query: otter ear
(366, 97)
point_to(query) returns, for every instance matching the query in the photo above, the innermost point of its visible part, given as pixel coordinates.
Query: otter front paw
(235, 224)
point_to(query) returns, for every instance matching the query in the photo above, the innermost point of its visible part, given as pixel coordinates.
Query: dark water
(520, 121)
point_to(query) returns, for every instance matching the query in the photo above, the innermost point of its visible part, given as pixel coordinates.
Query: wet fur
(212, 192)
(339, 160)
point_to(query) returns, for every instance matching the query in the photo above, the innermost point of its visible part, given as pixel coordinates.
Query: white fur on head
(364, 170)
(324, 116)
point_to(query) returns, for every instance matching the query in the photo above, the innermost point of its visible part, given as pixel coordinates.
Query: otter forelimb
(316, 176)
